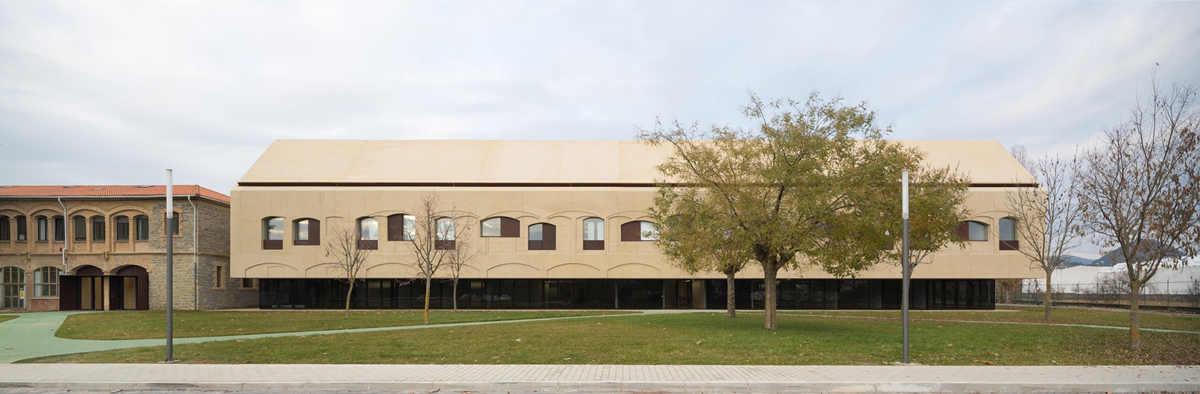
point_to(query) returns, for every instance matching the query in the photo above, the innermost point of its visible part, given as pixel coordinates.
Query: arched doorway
(129, 289)
(82, 290)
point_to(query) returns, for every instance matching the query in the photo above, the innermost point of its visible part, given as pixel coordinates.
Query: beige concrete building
(110, 253)
(567, 216)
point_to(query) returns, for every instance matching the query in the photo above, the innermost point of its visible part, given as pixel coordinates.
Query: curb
(623, 387)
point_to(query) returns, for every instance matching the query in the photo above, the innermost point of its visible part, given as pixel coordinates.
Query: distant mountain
(1075, 261)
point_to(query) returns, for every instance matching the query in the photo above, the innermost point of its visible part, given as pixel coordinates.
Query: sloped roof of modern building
(445, 162)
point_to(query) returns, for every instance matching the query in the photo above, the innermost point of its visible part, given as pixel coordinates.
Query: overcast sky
(113, 91)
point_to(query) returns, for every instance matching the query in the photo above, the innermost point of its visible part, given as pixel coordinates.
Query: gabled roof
(114, 191)
(541, 162)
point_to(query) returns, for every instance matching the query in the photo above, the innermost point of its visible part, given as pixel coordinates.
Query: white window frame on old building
(43, 228)
(12, 285)
(45, 281)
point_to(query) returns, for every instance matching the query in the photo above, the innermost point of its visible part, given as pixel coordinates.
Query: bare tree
(348, 257)
(432, 240)
(1008, 288)
(1141, 189)
(463, 252)
(1048, 219)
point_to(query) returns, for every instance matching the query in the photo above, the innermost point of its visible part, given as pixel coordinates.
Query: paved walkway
(598, 378)
(32, 335)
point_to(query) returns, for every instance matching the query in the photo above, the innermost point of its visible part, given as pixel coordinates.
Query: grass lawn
(692, 338)
(4, 318)
(151, 324)
(1036, 315)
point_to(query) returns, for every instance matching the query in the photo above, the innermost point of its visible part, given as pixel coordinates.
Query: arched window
(306, 232)
(97, 228)
(45, 282)
(401, 227)
(444, 237)
(593, 234)
(972, 231)
(121, 228)
(368, 233)
(272, 233)
(639, 230)
(541, 236)
(80, 227)
(1008, 234)
(5, 230)
(43, 230)
(141, 225)
(500, 227)
(12, 285)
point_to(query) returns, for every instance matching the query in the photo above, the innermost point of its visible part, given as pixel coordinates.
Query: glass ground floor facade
(624, 294)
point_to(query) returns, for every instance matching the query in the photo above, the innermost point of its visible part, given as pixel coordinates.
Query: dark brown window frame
(313, 234)
(80, 223)
(509, 227)
(549, 238)
(98, 225)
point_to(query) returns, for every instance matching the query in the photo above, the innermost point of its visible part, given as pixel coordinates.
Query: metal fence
(1166, 294)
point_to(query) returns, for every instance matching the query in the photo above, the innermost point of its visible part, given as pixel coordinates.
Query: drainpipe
(64, 230)
(195, 262)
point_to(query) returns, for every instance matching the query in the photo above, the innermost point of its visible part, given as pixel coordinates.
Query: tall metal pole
(907, 271)
(168, 234)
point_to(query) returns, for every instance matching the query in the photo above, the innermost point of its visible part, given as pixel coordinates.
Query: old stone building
(103, 248)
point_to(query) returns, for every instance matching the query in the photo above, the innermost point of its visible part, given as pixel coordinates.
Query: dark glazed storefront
(625, 294)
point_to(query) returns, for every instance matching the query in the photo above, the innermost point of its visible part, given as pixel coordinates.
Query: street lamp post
(906, 270)
(167, 233)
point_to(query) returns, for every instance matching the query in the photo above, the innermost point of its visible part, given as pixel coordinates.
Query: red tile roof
(109, 191)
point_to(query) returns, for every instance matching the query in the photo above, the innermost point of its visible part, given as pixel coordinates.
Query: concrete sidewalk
(599, 378)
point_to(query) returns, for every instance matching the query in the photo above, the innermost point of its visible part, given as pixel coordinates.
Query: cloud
(113, 92)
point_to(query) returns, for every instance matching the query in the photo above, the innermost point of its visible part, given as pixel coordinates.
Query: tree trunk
(455, 294)
(769, 273)
(348, 293)
(1135, 339)
(427, 300)
(1048, 297)
(730, 298)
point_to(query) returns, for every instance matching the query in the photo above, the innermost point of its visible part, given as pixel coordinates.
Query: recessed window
(45, 282)
(121, 228)
(80, 227)
(444, 237)
(401, 227)
(141, 224)
(368, 233)
(272, 233)
(501, 227)
(972, 231)
(247, 283)
(639, 230)
(97, 228)
(219, 277)
(593, 234)
(5, 230)
(1008, 234)
(22, 229)
(42, 228)
(60, 229)
(12, 288)
(174, 230)
(306, 232)
(541, 236)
